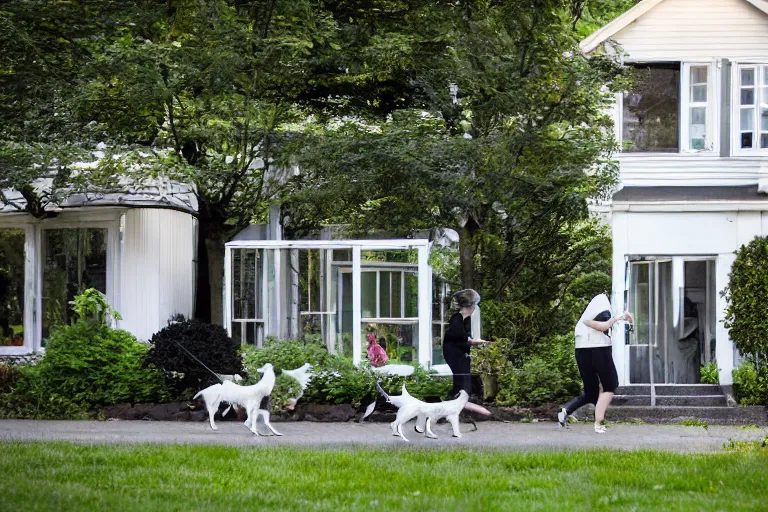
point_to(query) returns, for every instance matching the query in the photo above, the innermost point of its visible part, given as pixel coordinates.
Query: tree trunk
(210, 274)
(215, 248)
(203, 287)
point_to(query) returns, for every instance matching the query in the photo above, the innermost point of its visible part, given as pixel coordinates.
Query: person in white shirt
(595, 360)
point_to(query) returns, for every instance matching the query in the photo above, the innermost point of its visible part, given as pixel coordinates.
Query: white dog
(248, 397)
(302, 376)
(409, 407)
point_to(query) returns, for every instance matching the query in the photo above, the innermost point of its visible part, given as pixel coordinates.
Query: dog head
(267, 367)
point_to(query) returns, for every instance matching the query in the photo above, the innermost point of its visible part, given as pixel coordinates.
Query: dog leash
(221, 381)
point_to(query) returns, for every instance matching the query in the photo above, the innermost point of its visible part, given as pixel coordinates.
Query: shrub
(550, 376)
(750, 384)
(747, 296)
(710, 373)
(85, 366)
(208, 343)
(9, 376)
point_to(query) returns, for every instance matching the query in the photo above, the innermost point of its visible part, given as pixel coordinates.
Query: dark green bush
(747, 294)
(85, 366)
(208, 343)
(750, 384)
(9, 376)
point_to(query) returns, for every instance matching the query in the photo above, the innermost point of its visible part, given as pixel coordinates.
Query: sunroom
(337, 292)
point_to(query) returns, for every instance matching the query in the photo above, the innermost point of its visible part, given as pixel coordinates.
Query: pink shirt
(377, 355)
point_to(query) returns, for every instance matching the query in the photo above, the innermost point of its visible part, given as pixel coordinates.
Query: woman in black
(458, 340)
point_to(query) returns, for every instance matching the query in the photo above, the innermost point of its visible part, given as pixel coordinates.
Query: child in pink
(376, 353)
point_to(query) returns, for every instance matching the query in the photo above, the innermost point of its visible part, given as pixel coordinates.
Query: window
(247, 292)
(697, 110)
(651, 109)
(75, 259)
(751, 102)
(12, 261)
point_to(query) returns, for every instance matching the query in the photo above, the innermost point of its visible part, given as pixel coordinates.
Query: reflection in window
(75, 259)
(12, 258)
(650, 116)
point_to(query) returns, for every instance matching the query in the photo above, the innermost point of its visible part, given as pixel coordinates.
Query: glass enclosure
(12, 261)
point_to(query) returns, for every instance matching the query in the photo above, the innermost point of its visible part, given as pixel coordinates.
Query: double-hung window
(751, 109)
(697, 111)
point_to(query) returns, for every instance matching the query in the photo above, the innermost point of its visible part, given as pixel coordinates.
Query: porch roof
(748, 193)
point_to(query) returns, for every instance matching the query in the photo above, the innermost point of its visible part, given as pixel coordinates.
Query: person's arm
(604, 326)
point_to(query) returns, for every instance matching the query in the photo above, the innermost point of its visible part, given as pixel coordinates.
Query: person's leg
(591, 385)
(609, 378)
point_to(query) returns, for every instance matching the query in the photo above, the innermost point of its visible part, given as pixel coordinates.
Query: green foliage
(336, 380)
(210, 344)
(746, 315)
(9, 376)
(91, 306)
(750, 384)
(694, 422)
(710, 373)
(551, 376)
(747, 446)
(85, 366)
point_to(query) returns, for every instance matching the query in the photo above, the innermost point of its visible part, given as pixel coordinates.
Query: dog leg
(400, 432)
(428, 430)
(419, 426)
(265, 415)
(453, 419)
(213, 408)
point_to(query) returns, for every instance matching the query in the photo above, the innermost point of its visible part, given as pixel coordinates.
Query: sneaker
(600, 429)
(562, 417)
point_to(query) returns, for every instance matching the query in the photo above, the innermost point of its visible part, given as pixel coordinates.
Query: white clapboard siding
(157, 269)
(697, 29)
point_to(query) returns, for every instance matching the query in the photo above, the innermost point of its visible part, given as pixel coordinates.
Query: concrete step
(634, 389)
(757, 415)
(693, 401)
(688, 389)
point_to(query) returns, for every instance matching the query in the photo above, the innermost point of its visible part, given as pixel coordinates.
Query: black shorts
(596, 368)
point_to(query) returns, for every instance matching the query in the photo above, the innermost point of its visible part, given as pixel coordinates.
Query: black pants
(596, 367)
(459, 363)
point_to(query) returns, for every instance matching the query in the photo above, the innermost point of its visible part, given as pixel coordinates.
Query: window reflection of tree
(12, 262)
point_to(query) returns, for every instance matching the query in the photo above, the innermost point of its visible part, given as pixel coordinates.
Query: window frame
(761, 102)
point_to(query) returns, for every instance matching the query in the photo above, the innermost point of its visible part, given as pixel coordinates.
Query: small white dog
(248, 397)
(409, 407)
(302, 376)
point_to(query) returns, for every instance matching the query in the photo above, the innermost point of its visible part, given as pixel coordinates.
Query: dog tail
(383, 393)
(198, 394)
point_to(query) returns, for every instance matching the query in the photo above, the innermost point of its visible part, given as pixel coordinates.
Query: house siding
(697, 29)
(157, 269)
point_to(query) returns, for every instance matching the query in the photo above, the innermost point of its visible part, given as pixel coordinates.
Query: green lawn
(62, 476)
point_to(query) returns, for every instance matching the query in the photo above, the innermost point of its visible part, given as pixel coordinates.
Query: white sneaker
(600, 429)
(562, 417)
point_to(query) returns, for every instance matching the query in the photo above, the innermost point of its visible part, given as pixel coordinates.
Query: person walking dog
(595, 360)
(458, 340)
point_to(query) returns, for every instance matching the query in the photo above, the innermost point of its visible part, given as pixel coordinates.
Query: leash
(221, 381)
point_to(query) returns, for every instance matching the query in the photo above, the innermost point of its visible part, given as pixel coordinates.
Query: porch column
(357, 344)
(620, 286)
(228, 290)
(425, 308)
(724, 348)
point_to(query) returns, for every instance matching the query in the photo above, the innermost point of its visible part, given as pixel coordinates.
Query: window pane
(368, 292)
(747, 96)
(411, 295)
(246, 284)
(698, 128)
(650, 116)
(764, 120)
(12, 260)
(699, 93)
(746, 140)
(698, 75)
(747, 77)
(75, 259)
(747, 120)
(396, 294)
(384, 302)
(764, 140)
(765, 75)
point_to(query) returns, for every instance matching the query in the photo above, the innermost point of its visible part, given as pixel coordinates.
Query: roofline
(603, 34)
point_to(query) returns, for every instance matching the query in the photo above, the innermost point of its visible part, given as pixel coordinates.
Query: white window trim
(736, 109)
(711, 144)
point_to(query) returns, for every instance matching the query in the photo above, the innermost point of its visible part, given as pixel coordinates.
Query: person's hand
(478, 342)
(628, 317)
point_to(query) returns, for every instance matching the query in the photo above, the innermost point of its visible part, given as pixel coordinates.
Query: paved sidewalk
(524, 436)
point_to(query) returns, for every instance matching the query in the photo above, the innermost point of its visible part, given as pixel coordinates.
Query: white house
(137, 247)
(693, 133)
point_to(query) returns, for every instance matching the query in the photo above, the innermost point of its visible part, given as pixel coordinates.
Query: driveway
(524, 436)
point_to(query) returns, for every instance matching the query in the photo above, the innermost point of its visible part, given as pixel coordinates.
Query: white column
(357, 344)
(228, 290)
(723, 344)
(425, 308)
(620, 352)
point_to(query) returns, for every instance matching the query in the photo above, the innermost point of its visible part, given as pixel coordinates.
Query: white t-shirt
(587, 337)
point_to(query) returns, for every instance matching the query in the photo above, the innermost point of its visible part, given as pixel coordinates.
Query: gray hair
(467, 298)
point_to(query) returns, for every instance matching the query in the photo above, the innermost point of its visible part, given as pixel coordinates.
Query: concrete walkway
(526, 436)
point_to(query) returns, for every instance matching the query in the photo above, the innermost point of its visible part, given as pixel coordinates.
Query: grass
(63, 476)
